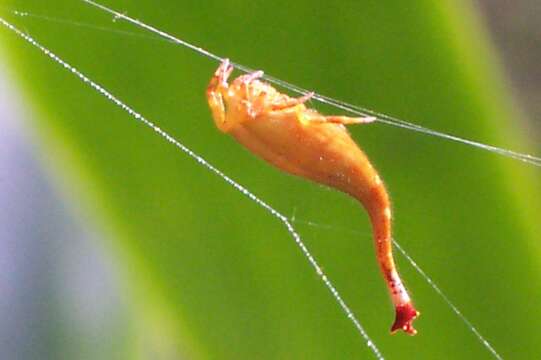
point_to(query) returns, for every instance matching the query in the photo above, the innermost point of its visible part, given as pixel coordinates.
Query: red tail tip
(405, 314)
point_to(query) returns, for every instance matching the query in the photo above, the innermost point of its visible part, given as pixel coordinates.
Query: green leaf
(216, 274)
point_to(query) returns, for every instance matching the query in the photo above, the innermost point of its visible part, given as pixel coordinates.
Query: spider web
(287, 222)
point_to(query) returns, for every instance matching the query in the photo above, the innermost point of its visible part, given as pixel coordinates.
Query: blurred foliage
(213, 275)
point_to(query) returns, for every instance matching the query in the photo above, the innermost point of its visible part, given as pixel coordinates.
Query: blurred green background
(195, 270)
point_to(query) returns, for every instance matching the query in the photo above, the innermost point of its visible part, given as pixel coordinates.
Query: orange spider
(303, 142)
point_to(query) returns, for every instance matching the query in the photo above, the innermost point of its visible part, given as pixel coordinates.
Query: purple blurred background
(52, 269)
(515, 28)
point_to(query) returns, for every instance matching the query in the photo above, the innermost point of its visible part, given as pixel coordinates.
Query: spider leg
(219, 80)
(245, 81)
(346, 120)
(288, 102)
(224, 70)
(256, 106)
(215, 90)
(313, 115)
(248, 78)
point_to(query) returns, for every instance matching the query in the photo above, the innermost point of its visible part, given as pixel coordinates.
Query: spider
(301, 141)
